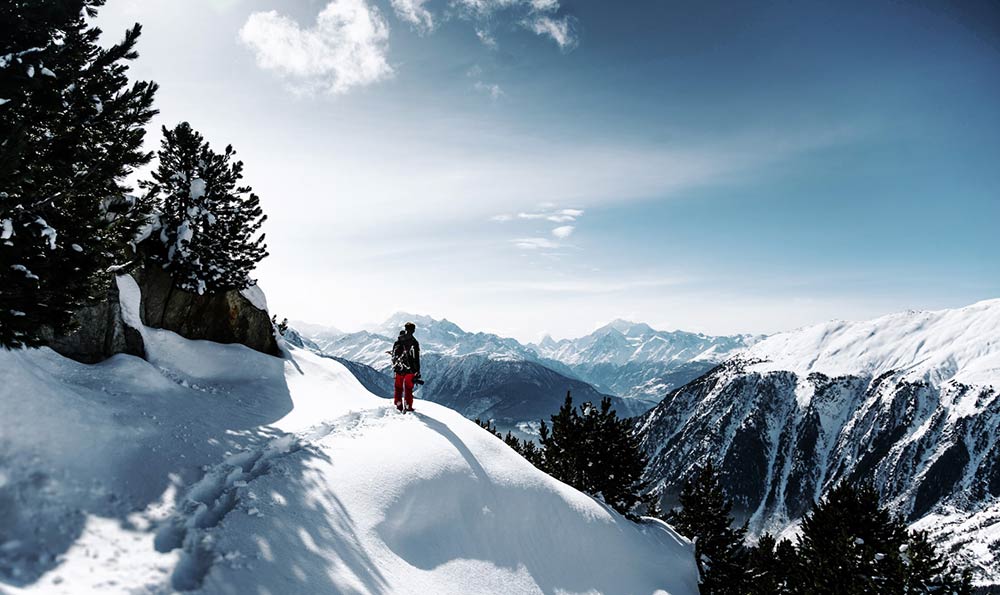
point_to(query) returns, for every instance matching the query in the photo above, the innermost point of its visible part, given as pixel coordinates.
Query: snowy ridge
(626, 359)
(218, 469)
(961, 345)
(907, 401)
(620, 342)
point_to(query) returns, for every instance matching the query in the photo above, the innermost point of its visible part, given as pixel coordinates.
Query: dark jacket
(406, 354)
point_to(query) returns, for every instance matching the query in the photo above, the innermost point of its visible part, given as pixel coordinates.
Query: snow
(220, 469)
(47, 232)
(255, 296)
(962, 345)
(197, 189)
(974, 538)
(23, 269)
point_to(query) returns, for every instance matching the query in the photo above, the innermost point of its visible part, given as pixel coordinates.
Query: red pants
(404, 382)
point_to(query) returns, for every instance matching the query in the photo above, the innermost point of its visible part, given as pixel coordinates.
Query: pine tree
(488, 426)
(73, 131)
(616, 460)
(705, 517)
(562, 447)
(927, 571)
(848, 544)
(595, 452)
(851, 545)
(768, 565)
(208, 223)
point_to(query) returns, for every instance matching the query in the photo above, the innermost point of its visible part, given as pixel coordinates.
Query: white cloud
(486, 38)
(346, 48)
(534, 15)
(545, 5)
(493, 89)
(552, 214)
(413, 12)
(560, 30)
(535, 243)
(563, 231)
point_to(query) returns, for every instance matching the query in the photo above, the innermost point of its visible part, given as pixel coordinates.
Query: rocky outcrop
(102, 332)
(228, 317)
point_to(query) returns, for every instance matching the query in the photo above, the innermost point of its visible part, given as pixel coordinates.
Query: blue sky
(533, 166)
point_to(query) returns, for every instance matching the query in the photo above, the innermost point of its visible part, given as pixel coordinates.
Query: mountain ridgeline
(491, 377)
(907, 402)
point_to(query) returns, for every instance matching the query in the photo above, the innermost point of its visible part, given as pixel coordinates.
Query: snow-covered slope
(909, 401)
(217, 469)
(962, 345)
(620, 342)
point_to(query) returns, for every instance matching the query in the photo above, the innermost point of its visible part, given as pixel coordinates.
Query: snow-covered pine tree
(851, 545)
(72, 130)
(615, 460)
(705, 517)
(208, 238)
(595, 452)
(562, 446)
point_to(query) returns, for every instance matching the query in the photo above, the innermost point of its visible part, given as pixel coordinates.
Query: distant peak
(626, 327)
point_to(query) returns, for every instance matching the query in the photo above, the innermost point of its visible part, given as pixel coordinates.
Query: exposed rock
(102, 332)
(227, 317)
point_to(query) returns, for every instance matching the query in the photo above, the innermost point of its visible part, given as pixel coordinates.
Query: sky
(527, 167)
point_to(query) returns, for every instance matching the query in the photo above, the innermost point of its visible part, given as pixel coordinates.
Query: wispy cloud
(346, 48)
(535, 243)
(547, 212)
(486, 38)
(560, 30)
(413, 12)
(491, 89)
(564, 231)
(537, 16)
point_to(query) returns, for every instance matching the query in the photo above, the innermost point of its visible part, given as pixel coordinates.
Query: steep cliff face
(909, 402)
(102, 332)
(227, 317)
(106, 329)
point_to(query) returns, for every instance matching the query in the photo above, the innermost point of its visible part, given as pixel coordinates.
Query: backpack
(402, 362)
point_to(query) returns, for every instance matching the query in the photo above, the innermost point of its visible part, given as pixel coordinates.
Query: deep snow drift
(218, 469)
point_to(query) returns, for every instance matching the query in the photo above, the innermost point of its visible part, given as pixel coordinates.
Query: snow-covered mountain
(217, 469)
(515, 394)
(624, 359)
(909, 401)
(478, 374)
(620, 342)
(318, 333)
(633, 360)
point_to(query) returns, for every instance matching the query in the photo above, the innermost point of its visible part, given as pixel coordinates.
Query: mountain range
(909, 402)
(516, 385)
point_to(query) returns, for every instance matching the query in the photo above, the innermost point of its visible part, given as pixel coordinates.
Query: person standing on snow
(406, 365)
